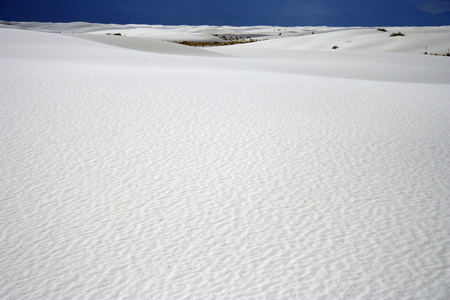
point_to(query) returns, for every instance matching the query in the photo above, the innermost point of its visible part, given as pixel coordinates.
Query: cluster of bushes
(229, 37)
(392, 34)
(437, 54)
(212, 44)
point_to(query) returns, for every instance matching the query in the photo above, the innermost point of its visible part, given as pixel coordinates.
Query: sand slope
(246, 172)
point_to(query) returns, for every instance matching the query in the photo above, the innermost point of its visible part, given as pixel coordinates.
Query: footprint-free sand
(133, 167)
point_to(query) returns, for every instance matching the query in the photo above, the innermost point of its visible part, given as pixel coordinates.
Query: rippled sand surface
(218, 174)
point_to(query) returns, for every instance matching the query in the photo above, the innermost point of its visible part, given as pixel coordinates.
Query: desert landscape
(220, 162)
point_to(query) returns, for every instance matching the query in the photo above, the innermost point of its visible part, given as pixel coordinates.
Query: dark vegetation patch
(438, 54)
(234, 37)
(397, 34)
(212, 44)
(228, 39)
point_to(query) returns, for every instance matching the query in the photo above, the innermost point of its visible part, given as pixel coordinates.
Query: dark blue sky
(232, 12)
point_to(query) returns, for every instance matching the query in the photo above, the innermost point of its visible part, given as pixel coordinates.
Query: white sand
(274, 170)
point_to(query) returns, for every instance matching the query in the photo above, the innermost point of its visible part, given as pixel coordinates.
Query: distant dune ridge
(311, 163)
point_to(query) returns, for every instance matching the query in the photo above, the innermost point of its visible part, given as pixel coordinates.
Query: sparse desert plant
(334, 47)
(382, 29)
(397, 34)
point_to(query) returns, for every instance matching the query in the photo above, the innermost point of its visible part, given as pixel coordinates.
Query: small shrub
(334, 47)
(382, 29)
(397, 34)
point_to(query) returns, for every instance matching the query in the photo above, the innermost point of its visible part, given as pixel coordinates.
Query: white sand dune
(136, 168)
